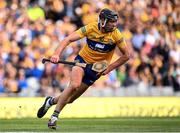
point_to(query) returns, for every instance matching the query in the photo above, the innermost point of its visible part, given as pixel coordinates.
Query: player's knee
(73, 89)
(75, 86)
(70, 101)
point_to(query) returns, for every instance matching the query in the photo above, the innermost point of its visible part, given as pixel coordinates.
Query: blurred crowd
(31, 30)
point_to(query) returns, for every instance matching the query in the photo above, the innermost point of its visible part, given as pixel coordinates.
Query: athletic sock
(51, 101)
(55, 113)
(53, 119)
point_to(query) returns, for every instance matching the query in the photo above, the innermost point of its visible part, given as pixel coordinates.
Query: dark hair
(108, 14)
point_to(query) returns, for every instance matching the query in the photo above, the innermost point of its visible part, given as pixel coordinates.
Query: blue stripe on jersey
(100, 47)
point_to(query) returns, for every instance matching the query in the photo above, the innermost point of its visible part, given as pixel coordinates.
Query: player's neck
(102, 30)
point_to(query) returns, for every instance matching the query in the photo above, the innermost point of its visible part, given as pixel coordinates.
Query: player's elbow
(67, 40)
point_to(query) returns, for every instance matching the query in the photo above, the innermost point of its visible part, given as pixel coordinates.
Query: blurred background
(32, 29)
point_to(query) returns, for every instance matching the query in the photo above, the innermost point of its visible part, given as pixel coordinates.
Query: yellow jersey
(100, 46)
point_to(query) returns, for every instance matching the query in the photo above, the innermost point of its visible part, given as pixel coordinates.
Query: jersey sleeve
(83, 31)
(119, 39)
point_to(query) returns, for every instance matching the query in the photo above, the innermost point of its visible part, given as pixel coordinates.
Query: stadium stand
(31, 30)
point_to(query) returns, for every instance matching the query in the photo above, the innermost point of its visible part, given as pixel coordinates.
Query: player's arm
(122, 59)
(65, 42)
(82, 32)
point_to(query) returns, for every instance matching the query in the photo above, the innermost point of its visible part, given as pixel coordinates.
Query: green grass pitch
(93, 125)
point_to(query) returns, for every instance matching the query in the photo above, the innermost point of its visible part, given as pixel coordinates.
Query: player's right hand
(54, 58)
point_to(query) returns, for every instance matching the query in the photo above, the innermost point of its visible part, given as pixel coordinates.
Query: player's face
(111, 25)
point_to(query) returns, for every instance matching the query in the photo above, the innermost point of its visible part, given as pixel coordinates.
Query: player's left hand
(103, 73)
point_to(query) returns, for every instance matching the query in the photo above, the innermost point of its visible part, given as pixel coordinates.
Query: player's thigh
(76, 77)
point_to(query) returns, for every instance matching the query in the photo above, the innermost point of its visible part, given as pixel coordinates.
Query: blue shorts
(90, 76)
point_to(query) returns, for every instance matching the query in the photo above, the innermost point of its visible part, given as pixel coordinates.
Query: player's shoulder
(92, 25)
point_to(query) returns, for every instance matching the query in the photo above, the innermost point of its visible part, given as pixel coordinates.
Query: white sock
(47, 104)
(53, 119)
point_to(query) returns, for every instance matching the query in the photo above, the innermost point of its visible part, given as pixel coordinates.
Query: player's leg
(76, 77)
(75, 83)
(78, 93)
(49, 101)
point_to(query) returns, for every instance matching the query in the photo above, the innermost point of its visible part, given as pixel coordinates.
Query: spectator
(30, 30)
